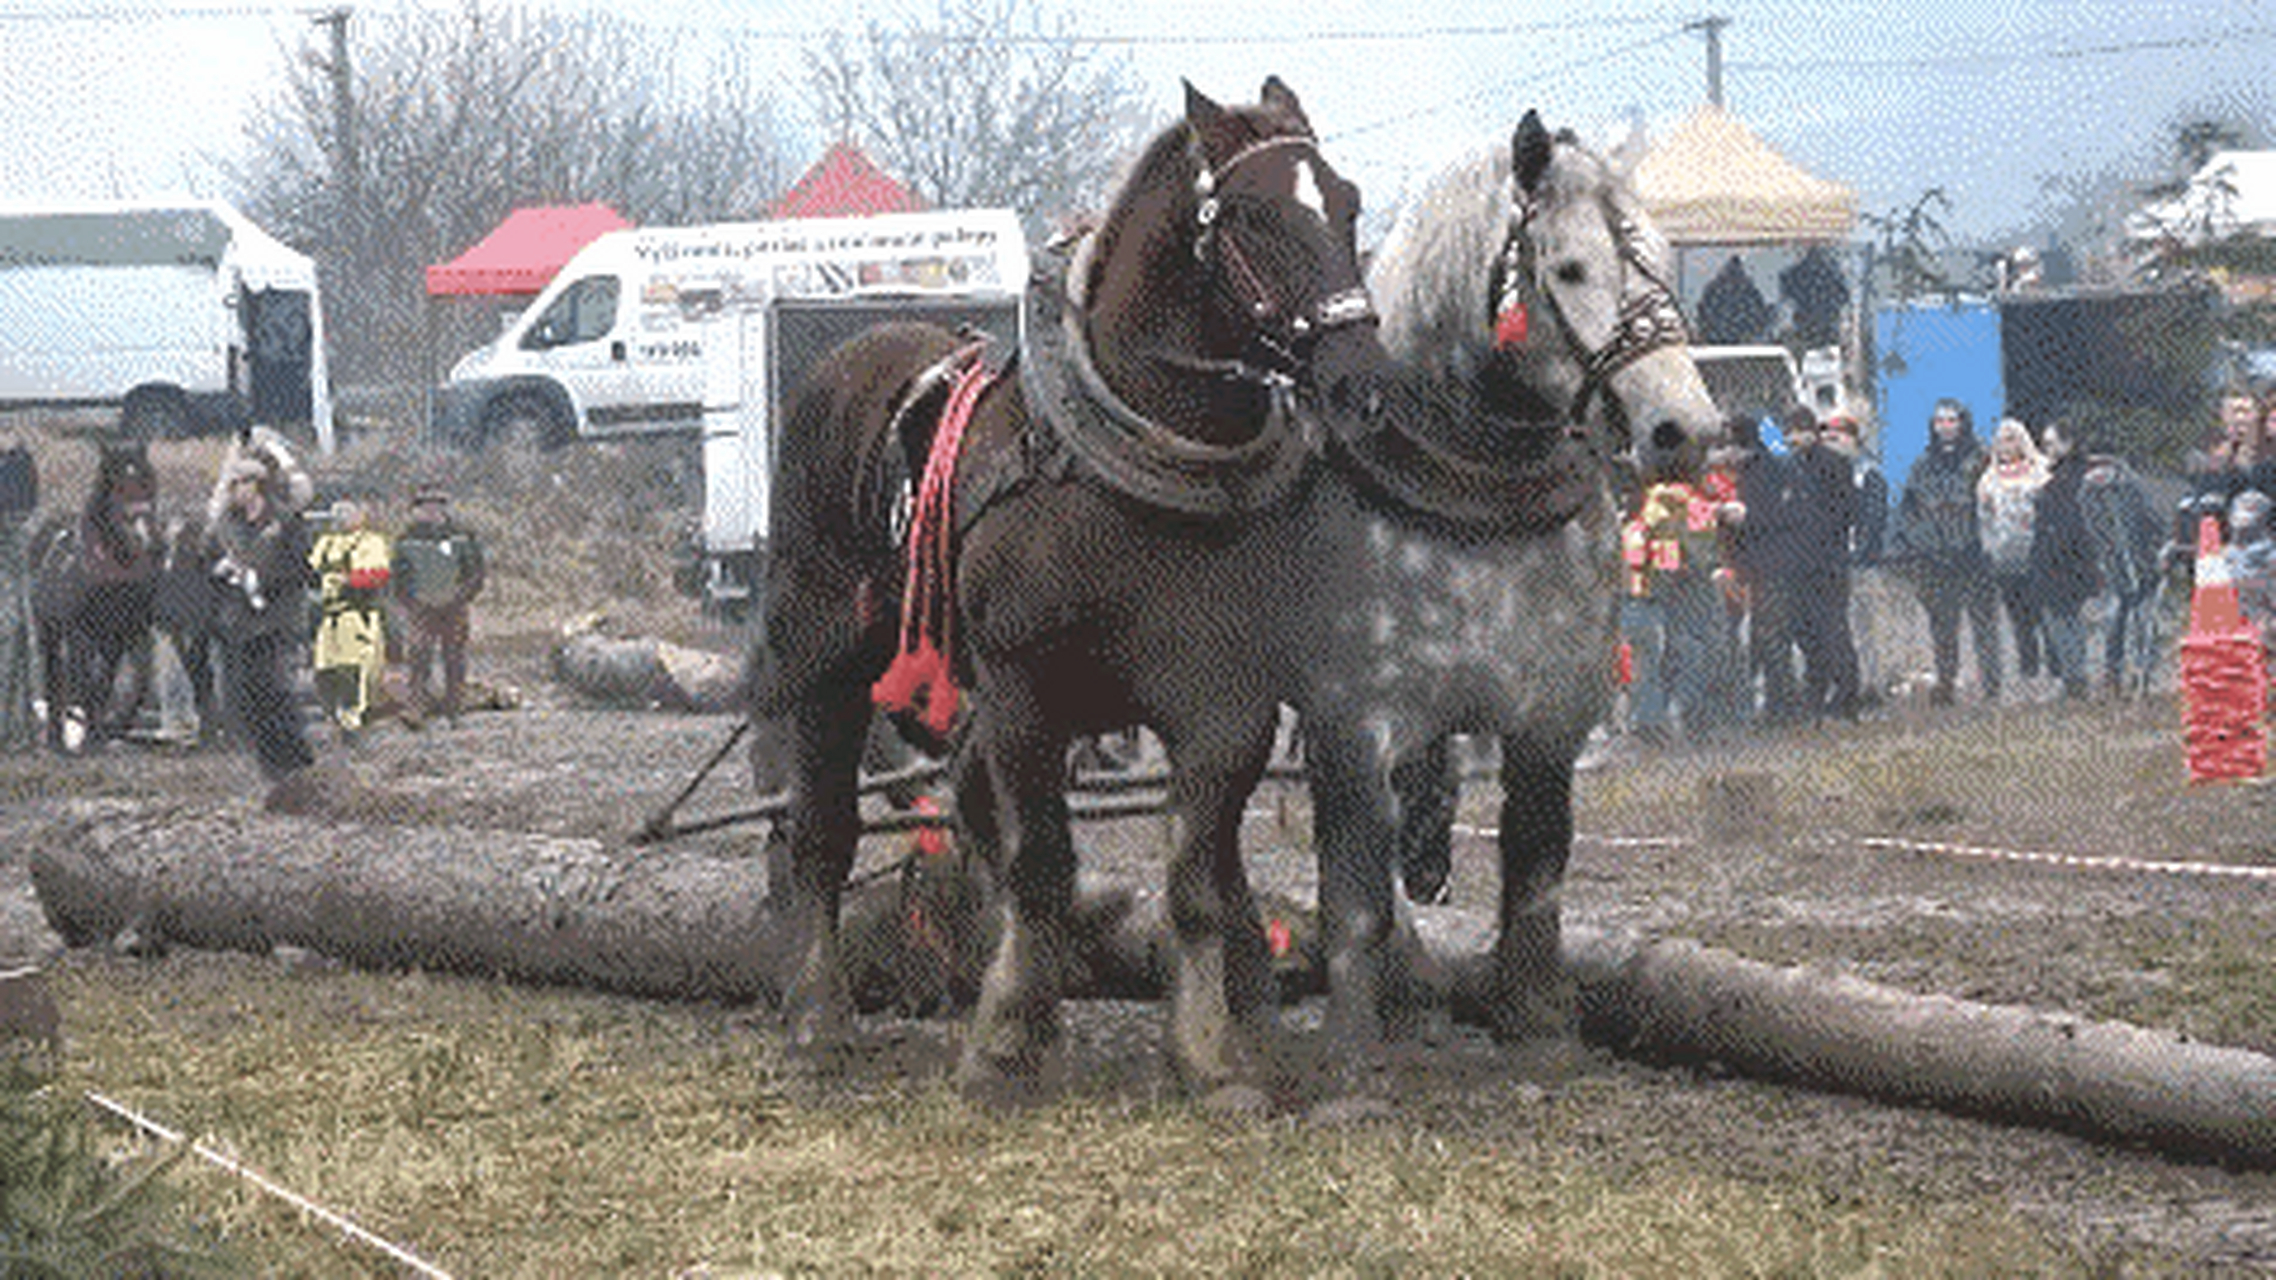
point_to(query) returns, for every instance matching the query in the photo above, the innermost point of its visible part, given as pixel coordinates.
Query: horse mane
(1432, 273)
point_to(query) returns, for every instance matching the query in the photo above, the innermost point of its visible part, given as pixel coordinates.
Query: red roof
(845, 182)
(522, 253)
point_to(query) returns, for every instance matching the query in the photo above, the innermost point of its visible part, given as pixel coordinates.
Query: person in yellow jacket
(351, 561)
(1673, 617)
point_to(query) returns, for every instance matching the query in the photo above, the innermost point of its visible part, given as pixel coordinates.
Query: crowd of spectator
(2012, 540)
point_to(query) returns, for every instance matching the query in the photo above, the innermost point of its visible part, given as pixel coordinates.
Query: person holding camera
(259, 543)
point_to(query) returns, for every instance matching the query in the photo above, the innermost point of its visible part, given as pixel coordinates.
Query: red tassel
(1511, 327)
(921, 678)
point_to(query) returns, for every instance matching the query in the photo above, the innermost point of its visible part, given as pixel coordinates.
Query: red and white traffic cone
(2224, 681)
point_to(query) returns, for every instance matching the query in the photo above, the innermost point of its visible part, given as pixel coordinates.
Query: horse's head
(1580, 302)
(121, 505)
(1232, 251)
(1533, 278)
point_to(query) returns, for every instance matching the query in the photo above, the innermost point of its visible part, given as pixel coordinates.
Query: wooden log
(1675, 1000)
(645, 673)
(531, 908)
(655, 923)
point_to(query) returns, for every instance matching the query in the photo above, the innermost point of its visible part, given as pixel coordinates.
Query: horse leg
(1356, 832)
(1533, 996)
(57, 681)
(194, 646)
(1223, 983)
(1428, 790)
(136, 652)
(1017, 774)
(824, 825)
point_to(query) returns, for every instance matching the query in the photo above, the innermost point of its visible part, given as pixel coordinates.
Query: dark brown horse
(93, 577)
(1466, 566)
(1120, 513)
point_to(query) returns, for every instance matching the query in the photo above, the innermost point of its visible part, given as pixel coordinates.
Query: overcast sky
(1987, 100)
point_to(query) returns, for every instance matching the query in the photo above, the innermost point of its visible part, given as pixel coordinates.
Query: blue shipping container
(1939, 349)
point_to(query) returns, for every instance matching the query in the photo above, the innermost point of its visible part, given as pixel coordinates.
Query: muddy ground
(2104, 780)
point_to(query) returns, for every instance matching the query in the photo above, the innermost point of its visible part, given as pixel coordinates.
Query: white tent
(1712, 181)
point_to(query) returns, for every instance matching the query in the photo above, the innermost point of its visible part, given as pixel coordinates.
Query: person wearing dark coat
(2063, 570)
(259, 543)
(1824, 502)
(1937, 542)
(2128, 534)
(1766, 548)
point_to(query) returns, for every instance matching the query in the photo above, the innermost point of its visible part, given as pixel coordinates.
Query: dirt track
(2099, 781)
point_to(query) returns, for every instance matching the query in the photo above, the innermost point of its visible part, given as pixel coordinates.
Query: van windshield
(585, 312)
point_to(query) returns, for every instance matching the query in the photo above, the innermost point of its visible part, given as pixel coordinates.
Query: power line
(1998, 60)
(59, 17)
(1503, 87)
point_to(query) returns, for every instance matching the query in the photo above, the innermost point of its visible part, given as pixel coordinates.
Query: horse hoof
(1237, 1102)
(1351, 1109)
(1007, 1084)
(820, 1033)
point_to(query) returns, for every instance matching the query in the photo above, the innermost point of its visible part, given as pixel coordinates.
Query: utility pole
(347, 163)
(1714, 29)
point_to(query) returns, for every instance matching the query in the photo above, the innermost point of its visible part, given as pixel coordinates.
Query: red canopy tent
(524, 252)
(844, 183)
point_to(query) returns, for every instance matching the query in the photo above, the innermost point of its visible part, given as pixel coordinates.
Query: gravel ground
(2103, 781)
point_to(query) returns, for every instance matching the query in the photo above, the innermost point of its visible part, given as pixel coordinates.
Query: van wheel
(524, 421)
(154, 413)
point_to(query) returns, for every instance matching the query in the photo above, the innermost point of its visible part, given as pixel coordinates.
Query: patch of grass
(504, 1132)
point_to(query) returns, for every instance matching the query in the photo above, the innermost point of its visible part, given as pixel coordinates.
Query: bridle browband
(1649, 318)
(1282, 347)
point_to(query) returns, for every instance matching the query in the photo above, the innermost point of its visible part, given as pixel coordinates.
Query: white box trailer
(709, 329)
(615, 344)
(182, 313)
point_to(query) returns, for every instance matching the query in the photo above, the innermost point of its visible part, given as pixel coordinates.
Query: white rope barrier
(1964, 852)
(293, 1198)
(2073, 861)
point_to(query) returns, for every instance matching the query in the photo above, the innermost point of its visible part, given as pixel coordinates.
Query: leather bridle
(1649, 318)
(1281, 337)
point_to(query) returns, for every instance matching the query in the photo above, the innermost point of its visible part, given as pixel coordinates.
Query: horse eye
(1571, 272)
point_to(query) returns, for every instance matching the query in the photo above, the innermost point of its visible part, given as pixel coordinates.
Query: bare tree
(986, 107)
(458, 117)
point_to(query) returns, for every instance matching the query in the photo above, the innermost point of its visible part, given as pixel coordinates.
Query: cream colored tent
(1713, 182)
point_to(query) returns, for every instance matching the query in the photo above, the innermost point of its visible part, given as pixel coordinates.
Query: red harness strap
(921, 678)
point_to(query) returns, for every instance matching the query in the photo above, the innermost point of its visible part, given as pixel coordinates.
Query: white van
(616, 344)
(182, 313)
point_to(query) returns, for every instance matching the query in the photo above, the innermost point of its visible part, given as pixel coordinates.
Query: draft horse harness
(1077, 422)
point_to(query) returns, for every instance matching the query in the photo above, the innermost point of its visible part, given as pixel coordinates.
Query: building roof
(845, 182)
(525, 251)
(2233, 191)
(1713, 181)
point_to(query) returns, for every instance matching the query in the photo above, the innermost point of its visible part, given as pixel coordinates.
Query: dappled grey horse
(1466, 571)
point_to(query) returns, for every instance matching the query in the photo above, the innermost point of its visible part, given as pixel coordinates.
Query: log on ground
(578, 912)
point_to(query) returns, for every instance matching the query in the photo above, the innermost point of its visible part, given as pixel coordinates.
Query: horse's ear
(1201, 110)
(1278, 95)
(1529, 151)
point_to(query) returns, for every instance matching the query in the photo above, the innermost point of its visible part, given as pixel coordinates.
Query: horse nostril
(1667, 436)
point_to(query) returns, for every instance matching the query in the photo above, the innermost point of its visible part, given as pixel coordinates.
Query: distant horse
(1119, 513)
(92, 584)
(1466, 569)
